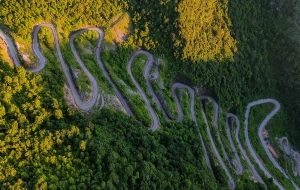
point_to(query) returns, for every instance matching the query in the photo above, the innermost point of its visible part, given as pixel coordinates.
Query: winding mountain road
(239, 170)
(102, 67)
(81, 104)
(11, 48)
(237, 132)
(232, 184)
(260, 129)
(42, 61)
(36, 48)
(192, 109)
(82, 66)
(147, 69)
(85, 106)
(155, 122)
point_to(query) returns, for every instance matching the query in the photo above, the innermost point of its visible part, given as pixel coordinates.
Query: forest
(234, 51)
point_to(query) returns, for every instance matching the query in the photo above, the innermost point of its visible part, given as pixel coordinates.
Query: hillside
(148, 94)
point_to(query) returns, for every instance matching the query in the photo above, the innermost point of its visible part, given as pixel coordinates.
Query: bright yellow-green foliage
(22, 84)
(204, 26)
(119, 28)
(25, 106)
(53, 153)
(27, 13)
(4, 52)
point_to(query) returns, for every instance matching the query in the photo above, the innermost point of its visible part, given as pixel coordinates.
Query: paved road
(42, 62)
(252, 167)
(36, 48)
(192, 110)
(285, 145)
(155, 123)
(11, 48)
(192, 99)
(147, 69)
(81, 104)
(82, 66)
(97, 54)
(215, 122)
(296, 156)
(261, 128)
(215, 150)
(239, 170)
(14, 54)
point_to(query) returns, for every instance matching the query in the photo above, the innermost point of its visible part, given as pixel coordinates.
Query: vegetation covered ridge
(155, 121)
(242, 57)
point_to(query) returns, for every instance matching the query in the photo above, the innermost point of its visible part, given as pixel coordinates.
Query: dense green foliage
(257, 115)
(284, 59)
(237, 50)
(43, 146)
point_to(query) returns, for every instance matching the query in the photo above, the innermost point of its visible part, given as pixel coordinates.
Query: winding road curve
(285, 145)
(297, 160)
(260, 129)
(193, 116)
(252, 167)
(180, 117)
(216, 119)
(215, 150)
(11, 48)
(155, 122)
(97, 54)
(82, 66)
(85, 106)
(239, 170)
(42, 61)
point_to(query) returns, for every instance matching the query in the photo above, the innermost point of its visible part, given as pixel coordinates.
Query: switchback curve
(155, 123)
(86, 106)
(239, 171)
(252, 167)
(260, 129)
(102, 67)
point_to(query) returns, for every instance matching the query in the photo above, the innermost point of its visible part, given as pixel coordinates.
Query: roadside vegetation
(84, 149)
(235, 50)
(255, 119)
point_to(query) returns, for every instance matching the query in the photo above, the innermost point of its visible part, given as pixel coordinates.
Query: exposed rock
(68, 96)
(112, 101)
(26, 57)
(265, 133)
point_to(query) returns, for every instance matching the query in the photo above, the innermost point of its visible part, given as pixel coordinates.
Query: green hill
(236, 52)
